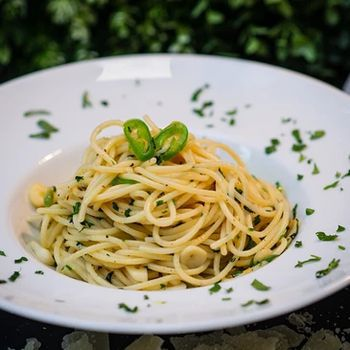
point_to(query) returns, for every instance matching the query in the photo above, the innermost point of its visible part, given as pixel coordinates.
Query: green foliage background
(311, 36)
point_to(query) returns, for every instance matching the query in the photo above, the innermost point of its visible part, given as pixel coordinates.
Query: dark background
(310, 36)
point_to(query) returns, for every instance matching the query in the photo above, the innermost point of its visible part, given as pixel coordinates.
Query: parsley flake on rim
(331, 266)
(257, 302)
(332, 185)
(36, 112)
(127, 308)
(215, 288)
(14, 276)
(317, 134)
(324, 237)
(259, 285)
(340, 228)
(298, 244)
(85, 100)
(309, 211)
(21, 259)
(312, 259)
(2, 253)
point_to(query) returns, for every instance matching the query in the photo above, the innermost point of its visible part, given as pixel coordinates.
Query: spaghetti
(192, 220)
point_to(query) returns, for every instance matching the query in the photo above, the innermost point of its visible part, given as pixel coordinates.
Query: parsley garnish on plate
(14, 276)
(332, 185)
(2, 253)
(309, 211)
(340, 228)
(259, 285)
(21, 259)
(215, 288)
(46, 130)
(298, 244)
(257, 302)
(273, 146)
(226, 299)
(331, 266)
(128, 308)
(300, 177)
(79, 178)
(324, 237)
(315, 170)
(341, 247)
(317, 134)
(85, 100)
(36, 112)
(196, 94)
(39, 272)
(312, 259)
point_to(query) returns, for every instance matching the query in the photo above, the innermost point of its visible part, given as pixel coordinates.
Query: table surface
(331, 313)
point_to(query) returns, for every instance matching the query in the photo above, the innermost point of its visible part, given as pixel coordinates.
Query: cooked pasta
(192, 220)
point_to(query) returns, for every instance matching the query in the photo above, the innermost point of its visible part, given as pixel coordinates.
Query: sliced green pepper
(171, 140)
(139, 138)
(49, 197)
(121, 181)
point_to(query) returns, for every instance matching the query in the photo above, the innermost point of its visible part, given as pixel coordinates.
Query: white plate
(161, 86)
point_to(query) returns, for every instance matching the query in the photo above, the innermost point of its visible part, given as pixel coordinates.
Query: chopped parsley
(115, 206)
(68, 267)
(46, 130)
(294, 211)
(257, 302)
(301, 158)
(298, 147)
(273, 146)
(20, 260)
(232, 112)
(226, 299)
(256, 220)
(201, 111)
(286, 120)
(75, 208)
(127, 212)
(196, 94)
(104, 103)
(312, 259)
(3, 281)
(324, 237)
(87, 224)
(300, 177)
(162, 286)
(317, 134)
(39, 272)
(296, 135)
(2, 253)
(232, 122)
(85, 100)
(315, 170)
(215, 288)
(309, 211)
(298, 244)
(229, 290)
(332, 185)
(121, 181)
(346, 174)
(340, 228)
(259, 285)
(132, 201)
(159, 202)
(341, 247)
(331, 266)
(36, 112)
(79, 178)
(128, 308)
(109, 276)
(14, 276)
(145, 297)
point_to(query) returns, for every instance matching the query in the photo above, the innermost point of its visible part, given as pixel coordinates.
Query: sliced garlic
(36, 194)
(139, 274)
(193, 256)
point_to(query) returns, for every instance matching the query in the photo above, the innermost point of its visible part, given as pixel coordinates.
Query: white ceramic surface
(161, 86)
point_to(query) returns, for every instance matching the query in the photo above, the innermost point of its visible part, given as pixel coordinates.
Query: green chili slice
(139, 138)
(171, 140)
